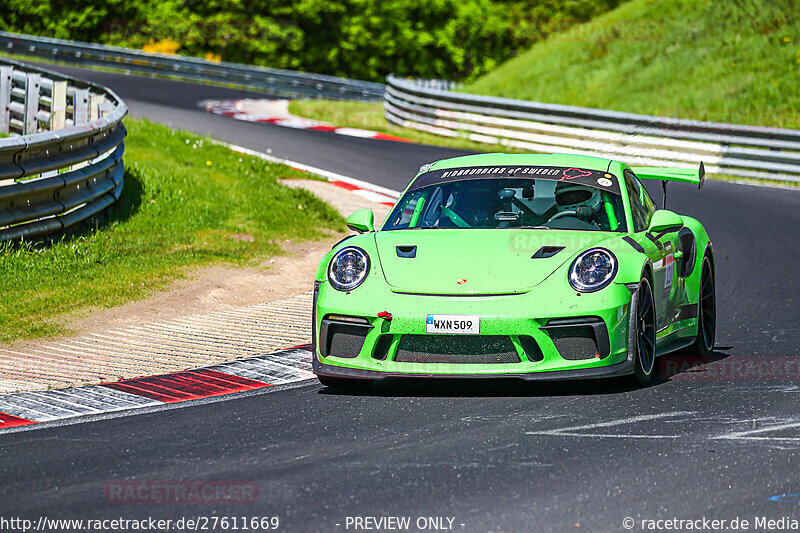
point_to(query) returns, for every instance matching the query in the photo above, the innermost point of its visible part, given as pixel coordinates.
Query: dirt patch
(219, 288)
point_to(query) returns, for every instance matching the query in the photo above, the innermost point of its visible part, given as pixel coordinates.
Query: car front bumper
(515, 317)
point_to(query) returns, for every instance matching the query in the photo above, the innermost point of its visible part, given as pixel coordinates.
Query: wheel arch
(632, 262)
(647, 271)
(710, 252)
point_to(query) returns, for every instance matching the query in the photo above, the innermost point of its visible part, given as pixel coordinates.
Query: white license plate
(453, 324)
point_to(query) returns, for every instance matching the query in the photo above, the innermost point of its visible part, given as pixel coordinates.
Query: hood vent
(547, 251)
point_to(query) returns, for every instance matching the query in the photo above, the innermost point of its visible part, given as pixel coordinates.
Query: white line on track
(757, 434)
(573, 431)
(331, 176)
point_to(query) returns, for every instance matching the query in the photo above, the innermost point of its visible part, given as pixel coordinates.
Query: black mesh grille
(575, 343)
(485, 349)
(345, 341)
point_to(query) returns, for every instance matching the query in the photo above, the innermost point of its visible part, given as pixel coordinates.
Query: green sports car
(537, 267)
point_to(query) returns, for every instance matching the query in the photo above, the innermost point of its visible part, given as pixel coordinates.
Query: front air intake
(456, 349)
(531, 348)
(382, 347)
(342, 337)
(578, 339)
(575, 343)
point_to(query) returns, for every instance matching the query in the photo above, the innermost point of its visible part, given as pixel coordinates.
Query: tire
(645, 358)
(343, 383)
(703, 345)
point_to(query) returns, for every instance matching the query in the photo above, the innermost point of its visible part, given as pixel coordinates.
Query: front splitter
(620, 369)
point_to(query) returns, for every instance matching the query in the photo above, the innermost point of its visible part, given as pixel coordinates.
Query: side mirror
(665, 220)
(361, 221)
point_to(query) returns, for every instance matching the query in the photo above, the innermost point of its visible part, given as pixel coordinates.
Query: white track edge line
(331, 176)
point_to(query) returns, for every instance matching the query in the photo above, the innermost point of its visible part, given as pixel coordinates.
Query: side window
(401, 216)
(647, 201)
(636, 193)
(432, 209)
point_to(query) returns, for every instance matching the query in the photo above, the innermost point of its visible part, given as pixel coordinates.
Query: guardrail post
(58, 105)
(80, 107)
(5, 98)
(94, 109)
(100, 101)
(30, 120)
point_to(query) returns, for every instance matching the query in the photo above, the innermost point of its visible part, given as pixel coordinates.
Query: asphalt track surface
(715, 443)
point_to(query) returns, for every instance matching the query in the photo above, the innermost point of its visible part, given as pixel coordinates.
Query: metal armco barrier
(747, 151)
(274, 81)
(62, 163)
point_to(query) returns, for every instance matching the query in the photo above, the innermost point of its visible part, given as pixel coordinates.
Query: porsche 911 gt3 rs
(536, 267)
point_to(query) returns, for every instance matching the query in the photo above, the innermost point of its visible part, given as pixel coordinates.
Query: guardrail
(747, 151)
(275, 81)
(62, 163)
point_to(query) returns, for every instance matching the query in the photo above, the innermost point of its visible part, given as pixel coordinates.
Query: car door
(667, 285)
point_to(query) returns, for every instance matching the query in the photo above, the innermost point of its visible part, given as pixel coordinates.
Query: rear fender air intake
(688, 246)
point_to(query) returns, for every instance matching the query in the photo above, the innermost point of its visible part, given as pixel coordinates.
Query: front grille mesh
(346, 341)
(575, 343)
(458, 349)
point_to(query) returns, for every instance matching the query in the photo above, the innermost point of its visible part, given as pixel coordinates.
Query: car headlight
(348, 268)
(592, 270)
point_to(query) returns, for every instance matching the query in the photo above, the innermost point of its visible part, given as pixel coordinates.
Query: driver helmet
(577, 197)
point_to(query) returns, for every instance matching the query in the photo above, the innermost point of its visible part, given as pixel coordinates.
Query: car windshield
(508, 203)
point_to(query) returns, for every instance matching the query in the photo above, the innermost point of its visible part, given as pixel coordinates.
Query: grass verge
(186, 203)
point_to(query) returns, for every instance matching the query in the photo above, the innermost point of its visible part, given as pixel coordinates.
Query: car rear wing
(665, 174)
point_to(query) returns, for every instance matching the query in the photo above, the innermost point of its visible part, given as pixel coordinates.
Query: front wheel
(645, 338)
(703, 345)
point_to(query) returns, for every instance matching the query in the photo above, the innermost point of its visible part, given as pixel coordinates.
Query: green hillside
(732, 61)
